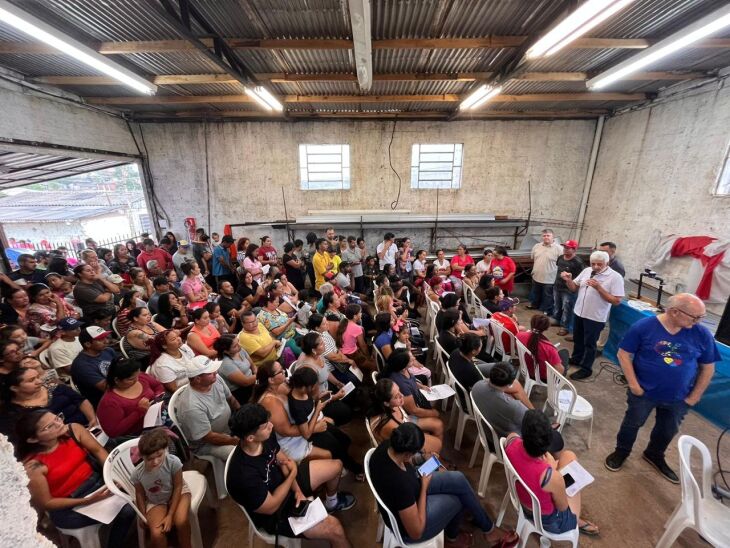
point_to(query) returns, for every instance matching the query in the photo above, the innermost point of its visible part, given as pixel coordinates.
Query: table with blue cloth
(714, 403)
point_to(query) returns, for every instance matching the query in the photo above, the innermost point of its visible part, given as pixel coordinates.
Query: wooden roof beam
(336, 99)
(164, 46)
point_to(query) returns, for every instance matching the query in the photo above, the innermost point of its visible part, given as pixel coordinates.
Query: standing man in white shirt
(599, 287)
(387, 250)
(544, 271)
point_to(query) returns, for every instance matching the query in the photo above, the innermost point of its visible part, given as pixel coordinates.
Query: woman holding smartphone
(425, 505)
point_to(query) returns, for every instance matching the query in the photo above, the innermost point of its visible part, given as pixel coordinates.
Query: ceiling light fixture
(482, 94)
(256, 97)
(37, 29)
(698, 30)
(268, 98)
(589, 15)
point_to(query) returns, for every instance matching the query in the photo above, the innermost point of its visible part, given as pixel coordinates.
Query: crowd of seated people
(270, 355)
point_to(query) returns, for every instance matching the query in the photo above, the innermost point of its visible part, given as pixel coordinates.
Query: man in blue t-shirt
(222, 267)
(89, 368)
(668, 361)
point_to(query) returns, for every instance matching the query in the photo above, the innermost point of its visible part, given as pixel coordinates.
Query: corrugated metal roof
(124, 20)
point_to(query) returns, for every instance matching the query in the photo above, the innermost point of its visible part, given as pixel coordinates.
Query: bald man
(668, 361)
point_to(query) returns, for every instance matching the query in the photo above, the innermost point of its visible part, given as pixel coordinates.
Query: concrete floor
(630, 507)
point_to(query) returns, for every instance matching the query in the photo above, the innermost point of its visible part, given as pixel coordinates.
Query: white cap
(200, 365)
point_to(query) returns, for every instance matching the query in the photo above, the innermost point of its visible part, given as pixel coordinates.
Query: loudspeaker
(723, 328)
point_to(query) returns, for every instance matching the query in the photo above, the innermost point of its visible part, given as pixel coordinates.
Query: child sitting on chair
(161, 493)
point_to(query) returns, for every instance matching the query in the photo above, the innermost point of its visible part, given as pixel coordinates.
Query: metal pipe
(589, 176)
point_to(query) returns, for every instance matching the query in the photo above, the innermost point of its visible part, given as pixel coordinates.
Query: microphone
(593, 273)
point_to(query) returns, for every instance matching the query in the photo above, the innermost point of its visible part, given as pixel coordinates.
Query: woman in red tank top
(63, 463)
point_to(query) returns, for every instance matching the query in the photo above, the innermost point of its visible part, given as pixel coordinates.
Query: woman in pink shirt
(532, 456)
(541, 348)
(350, 338)
(192, 287)
(128, 396)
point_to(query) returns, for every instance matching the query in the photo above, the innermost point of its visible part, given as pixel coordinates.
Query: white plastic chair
(391, 533)
(533, 380)
(220, 484)
(114, 328)
(564, 399)
(463, 409)
(88, 537)
(497, 331)
(284, 542)
(45, 359)
(121, 347)
(433, 308)
(526, 526)
(118, 468)
(698, 509)
(440, 359)
(486, 432)
(379, 358)
(470, 300)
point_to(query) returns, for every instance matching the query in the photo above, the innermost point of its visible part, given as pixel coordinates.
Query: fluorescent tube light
(256, 97)
(37, 29)
(698, 30)
(589, 15)
(268, 98)
(481, 95)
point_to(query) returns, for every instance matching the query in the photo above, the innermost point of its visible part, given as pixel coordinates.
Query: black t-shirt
(464, 370)
(491, 306)
(300, 410)
(574, 266)
(294, 275)
(230, 303)
(38, 276)
(251, 479)
(398, 489)
(245, 291)
(448, 341)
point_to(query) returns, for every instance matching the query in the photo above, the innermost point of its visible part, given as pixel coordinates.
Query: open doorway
(107, 206)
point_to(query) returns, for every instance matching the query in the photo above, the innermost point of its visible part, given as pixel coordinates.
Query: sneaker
(345, 501)
(531, 307)
(615, 461)
(580, 375)
(662, 467)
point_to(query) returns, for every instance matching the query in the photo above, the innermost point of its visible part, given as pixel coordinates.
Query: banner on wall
(191, 226)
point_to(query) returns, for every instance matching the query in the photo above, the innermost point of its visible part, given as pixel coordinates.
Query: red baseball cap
(571, 244)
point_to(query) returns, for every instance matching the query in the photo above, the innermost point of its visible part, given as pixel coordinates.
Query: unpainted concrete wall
(248, 164)
(656, 174)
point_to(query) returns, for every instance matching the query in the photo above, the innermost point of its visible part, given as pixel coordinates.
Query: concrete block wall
(656, 174)
(249, 163)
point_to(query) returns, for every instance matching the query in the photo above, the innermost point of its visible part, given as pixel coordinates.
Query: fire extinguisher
(190, 225)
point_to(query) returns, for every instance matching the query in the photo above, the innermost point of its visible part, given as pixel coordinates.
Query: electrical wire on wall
(394, 203)
(207, 175)
(148, 172)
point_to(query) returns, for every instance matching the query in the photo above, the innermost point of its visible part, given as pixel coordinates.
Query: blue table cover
(715, 403)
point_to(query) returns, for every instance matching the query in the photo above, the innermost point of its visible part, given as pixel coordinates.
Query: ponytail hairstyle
(538, 325)
(382, 394)
(263, 374)
(351, 311)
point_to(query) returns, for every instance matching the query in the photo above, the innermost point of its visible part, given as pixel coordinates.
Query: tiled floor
(630, 507)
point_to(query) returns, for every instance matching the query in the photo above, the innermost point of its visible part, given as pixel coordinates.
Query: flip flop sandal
(589, 529)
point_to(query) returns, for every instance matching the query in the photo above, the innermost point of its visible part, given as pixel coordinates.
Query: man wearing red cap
(564, 298)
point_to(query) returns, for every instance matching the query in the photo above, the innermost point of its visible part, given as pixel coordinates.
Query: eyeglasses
(280, 372)
(694, 318)
(58, 419)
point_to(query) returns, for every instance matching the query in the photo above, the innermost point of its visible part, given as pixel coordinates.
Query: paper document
(265, 269)
(580, 476)
(349, 387)
(281, 348)
(480, 322)
(355, 370)
(438, 392)
(153, 415)
(316, 513)
(104, 510)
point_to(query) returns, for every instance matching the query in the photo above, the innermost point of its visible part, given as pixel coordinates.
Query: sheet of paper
(104, 510)
(349, 387)
(281, 348)
(316, 513)
(355, 370)
(265, 269)
(153, 415)
(581, 476)
(438, 392)
(480, 322)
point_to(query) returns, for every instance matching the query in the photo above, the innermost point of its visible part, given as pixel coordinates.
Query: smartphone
(569, 480)
(324, 397)
(429, 467)
(301, 510)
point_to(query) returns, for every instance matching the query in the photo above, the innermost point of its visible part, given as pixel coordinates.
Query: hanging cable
(394, 203)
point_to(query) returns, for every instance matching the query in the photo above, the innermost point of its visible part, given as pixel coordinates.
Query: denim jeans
(449, 495)
(564, 303)
(669, 416)
(585, 340)
(541, 297)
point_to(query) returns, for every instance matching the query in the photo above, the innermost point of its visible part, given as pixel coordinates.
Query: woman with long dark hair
(396, 369)
(350, 337)
(541, 348)
(237, 369)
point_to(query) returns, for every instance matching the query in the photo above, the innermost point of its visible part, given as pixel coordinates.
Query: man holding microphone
(668, 361)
